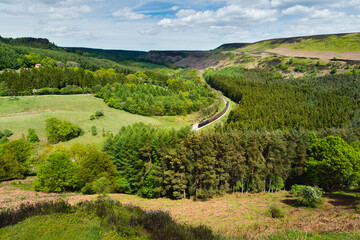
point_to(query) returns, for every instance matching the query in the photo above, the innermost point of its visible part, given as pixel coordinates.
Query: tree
(58, 174)
(14, 156)
(32, 136)
(333, 164)
(61, 131)
(93, 130)
(93, 165)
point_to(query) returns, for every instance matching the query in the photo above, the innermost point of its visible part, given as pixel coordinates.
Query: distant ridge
(127, 53)
(231, 46)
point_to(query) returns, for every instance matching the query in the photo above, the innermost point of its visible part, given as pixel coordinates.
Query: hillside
(336, 50)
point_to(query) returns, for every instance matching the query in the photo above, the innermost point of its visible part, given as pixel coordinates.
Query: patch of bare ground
(326, 55)
(31, 112)
(233, 215)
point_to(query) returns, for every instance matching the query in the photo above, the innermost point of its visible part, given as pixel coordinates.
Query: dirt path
(326, 55)
(26, 113)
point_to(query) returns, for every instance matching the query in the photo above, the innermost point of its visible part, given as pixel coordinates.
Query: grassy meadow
(234, 216)
(21, 113)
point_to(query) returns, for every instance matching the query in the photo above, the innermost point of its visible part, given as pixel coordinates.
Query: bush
(102, 186)
(333, 70)
(307, 195)
(32, 136)
(93, 131)
(283, 66)
(12, 216)
(61, 131)
(58, 174)
(7, 132)
(275, 211)
(99, 113)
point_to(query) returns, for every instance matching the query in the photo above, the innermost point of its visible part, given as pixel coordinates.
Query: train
(204, 123)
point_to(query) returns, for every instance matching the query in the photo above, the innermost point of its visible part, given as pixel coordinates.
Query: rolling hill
(334, 50)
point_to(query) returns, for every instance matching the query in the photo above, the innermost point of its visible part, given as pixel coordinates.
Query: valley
(110, 131)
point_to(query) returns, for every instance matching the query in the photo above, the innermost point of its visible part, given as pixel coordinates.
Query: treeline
(267, 101)
(177, 164)
(153, 96)
(154, 162)
(23, 83)
(27, 52)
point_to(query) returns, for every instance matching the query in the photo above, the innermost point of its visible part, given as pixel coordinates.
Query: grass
(59, 226)
(22, 113)
(349, 42)
(235, 215)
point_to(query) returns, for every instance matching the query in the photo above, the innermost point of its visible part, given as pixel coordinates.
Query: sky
(173, 25)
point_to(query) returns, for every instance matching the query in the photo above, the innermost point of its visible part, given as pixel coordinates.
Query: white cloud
(128, 14)
(296, 10)
(175, 8)
(231, 15)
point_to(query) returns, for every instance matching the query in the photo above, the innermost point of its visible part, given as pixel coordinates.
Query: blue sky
(173, 25)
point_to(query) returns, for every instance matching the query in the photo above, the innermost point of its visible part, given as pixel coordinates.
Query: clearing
(21, 113)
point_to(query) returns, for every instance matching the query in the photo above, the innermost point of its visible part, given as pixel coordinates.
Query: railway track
(207, 122)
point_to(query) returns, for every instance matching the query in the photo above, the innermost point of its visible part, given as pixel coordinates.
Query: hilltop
(326, 51)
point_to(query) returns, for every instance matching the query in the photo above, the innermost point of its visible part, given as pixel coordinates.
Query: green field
(22, 113)
(349, 42)
(59, 226)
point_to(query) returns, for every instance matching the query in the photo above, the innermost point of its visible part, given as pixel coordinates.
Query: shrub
(102, 186)
(32, 136)
(275, 211)
(301, 68)
(283, 66)
(307, 195)
(12, 216)
(92, 117)
(61, 131)
(58, 174)
(4, 139)
(93, 131)
(99, 113)
(7, 132)
(334, 70)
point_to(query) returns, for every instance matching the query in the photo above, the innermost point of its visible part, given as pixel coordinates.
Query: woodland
(283, 132)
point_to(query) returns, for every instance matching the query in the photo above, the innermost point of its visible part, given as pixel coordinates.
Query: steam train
(204, 123)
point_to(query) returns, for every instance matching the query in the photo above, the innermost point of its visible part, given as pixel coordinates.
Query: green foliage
(106, 217)
(4, 139)
(93, 130)
(268, 101)
(11, 216)
(99, 113)
(283, 66)
(14, 157)
(7, 132)
(307, 195)
(102, 186)
(32, 136)
(94, 165)
(58, 174)
(333, 70)
(275, 211)
(61, 131)
(157, 95)
(333, 164)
